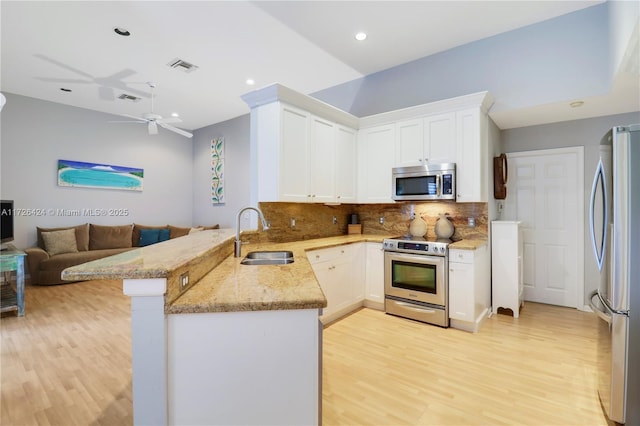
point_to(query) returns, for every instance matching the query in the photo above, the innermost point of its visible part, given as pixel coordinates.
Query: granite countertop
(232, 287)
(219, 282)
(469, 244)
(154, 261)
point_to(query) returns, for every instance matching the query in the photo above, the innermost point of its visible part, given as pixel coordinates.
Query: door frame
(580, 214)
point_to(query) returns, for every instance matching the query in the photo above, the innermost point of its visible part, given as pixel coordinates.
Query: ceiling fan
(154, 120)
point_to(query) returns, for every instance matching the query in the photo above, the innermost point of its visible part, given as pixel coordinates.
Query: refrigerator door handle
(601, 314)
(599, 179)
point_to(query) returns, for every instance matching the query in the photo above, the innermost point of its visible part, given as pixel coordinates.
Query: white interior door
(545, 192)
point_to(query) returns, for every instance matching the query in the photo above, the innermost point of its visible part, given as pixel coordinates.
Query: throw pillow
(109, 237)
(135, 236)
(82, 235)
(163, 234)
(148, 237)
(58, 242)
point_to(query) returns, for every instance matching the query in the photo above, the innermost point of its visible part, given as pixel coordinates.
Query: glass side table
(12, 296)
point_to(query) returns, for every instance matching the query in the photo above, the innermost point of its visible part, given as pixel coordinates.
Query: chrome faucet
(265, 226)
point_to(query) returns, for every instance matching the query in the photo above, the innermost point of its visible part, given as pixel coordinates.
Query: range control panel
(434, 248)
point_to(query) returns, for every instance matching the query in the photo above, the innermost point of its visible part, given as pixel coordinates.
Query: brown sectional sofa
(92, 242)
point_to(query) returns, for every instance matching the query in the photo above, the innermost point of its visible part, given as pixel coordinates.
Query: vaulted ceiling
(308, 46)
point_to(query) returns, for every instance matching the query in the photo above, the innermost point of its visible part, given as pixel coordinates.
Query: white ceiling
(305, 45)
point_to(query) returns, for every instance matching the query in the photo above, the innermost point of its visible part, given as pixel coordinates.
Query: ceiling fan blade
(127, 121)
(65, 66)
(153, 128)
(176, 130)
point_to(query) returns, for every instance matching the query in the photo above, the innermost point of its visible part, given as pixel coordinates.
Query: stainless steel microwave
(427, 182)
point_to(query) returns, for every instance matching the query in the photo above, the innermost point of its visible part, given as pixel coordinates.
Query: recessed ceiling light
(64, 89)
(175, 114)
(576, 104)
(361, 36)
(250, 81)
(122, 31)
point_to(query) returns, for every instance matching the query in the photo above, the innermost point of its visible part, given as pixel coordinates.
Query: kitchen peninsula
(217, 342)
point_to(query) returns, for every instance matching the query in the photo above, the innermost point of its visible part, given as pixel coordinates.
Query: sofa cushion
(58, 242)
(176, 231)
(110, 237)
(135, 237)
(82, 235)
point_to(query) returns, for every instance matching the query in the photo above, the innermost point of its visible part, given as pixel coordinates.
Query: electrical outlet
(184, 280)
(471, 222)
(335, 220)
(292, 222)
(381, 220)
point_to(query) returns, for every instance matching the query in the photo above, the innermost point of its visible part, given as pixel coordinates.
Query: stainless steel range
(416, 279)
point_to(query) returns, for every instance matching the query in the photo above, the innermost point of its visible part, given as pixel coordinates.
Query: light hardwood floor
(67, 362)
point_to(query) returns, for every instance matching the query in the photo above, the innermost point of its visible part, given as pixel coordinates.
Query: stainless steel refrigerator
(615, 235)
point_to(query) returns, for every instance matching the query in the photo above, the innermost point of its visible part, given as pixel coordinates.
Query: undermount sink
(268, 258)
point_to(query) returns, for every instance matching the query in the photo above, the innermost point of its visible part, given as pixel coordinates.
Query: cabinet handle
(420, 160)
(338, 196)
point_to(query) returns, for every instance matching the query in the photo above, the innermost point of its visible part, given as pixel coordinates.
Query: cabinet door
(471, 159)
(440, 138)
(374, 273)
(375, 161)
(345, 165)
(409, 143)
(294, 152)
(461, 291)
(321, 161)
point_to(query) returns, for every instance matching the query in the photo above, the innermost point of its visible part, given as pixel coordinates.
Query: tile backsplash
(316, 220)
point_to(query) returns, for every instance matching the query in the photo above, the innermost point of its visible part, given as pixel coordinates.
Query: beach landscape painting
(103, 176)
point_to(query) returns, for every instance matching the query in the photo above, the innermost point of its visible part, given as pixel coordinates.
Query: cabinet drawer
(333, 253)
(461, 256)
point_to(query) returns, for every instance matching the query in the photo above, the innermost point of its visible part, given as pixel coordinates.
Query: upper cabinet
(426, 140)
(449, 131)
(375, 160)
(304, 150)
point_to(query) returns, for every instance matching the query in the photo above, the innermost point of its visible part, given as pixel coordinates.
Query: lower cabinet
(341, 282)
(350, 275)
(374, 276)
(469, 288)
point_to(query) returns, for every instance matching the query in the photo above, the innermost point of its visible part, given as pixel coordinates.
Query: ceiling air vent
(131, 98)
(182, 65)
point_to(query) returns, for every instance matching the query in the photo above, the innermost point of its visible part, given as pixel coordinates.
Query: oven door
(416, 277)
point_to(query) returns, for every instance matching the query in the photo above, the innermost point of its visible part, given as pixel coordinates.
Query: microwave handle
(438, 185)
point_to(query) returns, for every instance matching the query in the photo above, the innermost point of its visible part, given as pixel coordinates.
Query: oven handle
(415, 308)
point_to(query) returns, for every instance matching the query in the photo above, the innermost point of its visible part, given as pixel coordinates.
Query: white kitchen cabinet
(506, 266)
(341, 281)
(469, 288)
(374, 276)
(472, 156)
(375, 160)
(439, 138)
(294, 152)
(426, 140)
(321, 161)
(345, 165)
(302, 150)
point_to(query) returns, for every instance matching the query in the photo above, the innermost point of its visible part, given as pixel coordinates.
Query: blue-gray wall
(35, 134)
(567, 57)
